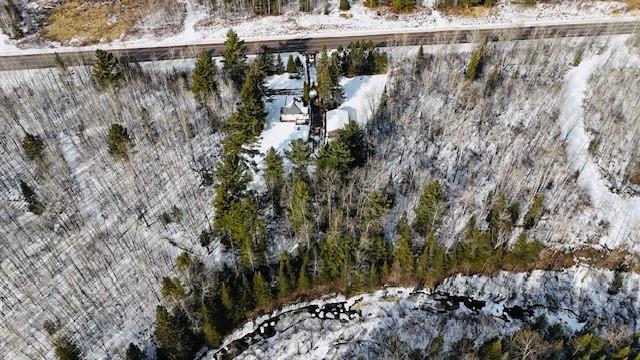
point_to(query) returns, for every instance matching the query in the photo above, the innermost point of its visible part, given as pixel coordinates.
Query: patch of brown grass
(473, 12)
(87, 22)
(633, 6)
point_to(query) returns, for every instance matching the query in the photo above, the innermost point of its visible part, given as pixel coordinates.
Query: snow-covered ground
(472, 307)
(200, 26)
(622, 213)
(93, 261)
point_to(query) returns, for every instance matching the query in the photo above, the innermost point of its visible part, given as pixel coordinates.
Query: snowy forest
(142, 218)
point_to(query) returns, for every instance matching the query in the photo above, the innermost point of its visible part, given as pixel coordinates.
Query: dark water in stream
(340, 311)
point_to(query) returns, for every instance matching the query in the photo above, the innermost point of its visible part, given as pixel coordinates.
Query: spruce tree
(300, 207)
(291, 66)
(474, 67)
(265, 60)
(211, 335)
(284, 271)
(261, 291)
(134, 353)
(118, 141)
(203, 81)
(403, 254)
(534, 212)
(66, 349)
(299, 154)
(34, 205)
(273, 176)
(324, 79)
(303, 279)
(106, 69)
(430, 209)
(354, 138)
(335, 156)
(235, 56)
(279, 65)
(420, 60)
(344, 5)
(32, 146)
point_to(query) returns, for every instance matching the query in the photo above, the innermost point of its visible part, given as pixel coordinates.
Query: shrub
(118, 141)
(534, 212)
(66, 349)
(31, 198)
(403, 5)
(616, 283)
(594, 145)
(106, 69)
(32, 146)
(474, 68)
(344, 5)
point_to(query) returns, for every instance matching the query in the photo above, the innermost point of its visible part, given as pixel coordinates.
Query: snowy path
(622, 213)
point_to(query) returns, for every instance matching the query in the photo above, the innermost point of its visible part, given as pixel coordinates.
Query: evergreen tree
(247, 123)
(273, 175)
(265, 60)
(32, 146)
(279, 65)
(291, 66)
(303, 279)
(424, 261)
(66, 349)
(420, 60)
(34, 205)
(324, 78)
(534, 212)
(523, 252)
(403, 5)
(344, 5)
(226, 299)
(242, 223)
(235, 56)
(284, 282)
(261, 291)
(106, 69)
(203, 82)
(175, 339)
(134, 353)
(118, 141)
(475, 62)
(354, 138)
(211, 335)
(299, 154)
(430, 209)
(491, 350)
(305, 93)
(335, 156)
(299, 67)
(403, 254)
(300, 207)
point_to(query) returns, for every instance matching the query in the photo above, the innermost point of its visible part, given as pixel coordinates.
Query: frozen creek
(475, 307)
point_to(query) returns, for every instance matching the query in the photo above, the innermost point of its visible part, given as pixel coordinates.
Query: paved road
(426, 37)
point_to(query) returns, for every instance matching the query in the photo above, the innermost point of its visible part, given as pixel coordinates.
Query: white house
(336, 120)
(295, 112)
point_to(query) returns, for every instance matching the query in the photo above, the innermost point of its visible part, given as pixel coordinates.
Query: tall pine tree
(203, 82)
(106, 69)
(235, 57)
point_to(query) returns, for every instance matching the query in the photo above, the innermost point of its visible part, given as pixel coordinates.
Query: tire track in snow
(622, 213)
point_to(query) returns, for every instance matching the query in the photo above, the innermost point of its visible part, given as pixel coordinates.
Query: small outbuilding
(295, 112)
(336, 120)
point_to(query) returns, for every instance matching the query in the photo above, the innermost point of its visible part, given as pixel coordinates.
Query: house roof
(337, 119)
(294, 108)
